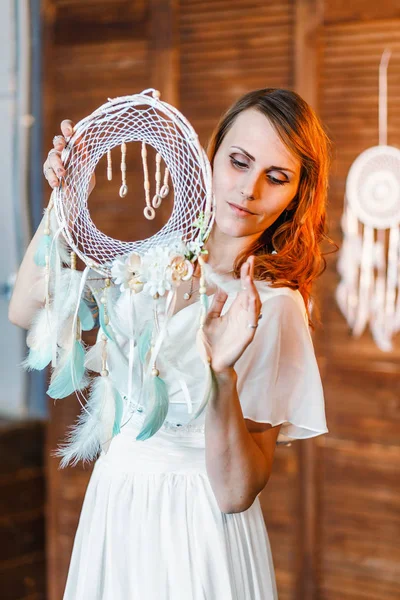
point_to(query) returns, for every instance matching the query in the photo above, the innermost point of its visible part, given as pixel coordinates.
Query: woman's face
(255, 177)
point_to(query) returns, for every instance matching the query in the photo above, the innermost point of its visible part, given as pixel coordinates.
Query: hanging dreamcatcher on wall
(152, 268)
(368, 292)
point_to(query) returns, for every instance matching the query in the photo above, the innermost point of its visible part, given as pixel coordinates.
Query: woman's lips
(240, 212)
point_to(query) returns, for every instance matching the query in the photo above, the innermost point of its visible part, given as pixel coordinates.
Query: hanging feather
(210, 383)
(86, 316)
(43, 250)
(63, 248)
(96, 425)
(39, 341)
(69, 376)
(66, 296)
(157, 403)
(93, 355)
(144, 341)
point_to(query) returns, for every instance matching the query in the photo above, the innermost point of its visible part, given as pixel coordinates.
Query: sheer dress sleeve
(278, 376)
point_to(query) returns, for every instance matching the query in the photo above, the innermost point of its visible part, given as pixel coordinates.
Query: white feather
(41, 330)
(94, 355)
(94, 427)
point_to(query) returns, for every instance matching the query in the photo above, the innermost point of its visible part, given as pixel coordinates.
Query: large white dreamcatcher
(368, 292)
(153, 267)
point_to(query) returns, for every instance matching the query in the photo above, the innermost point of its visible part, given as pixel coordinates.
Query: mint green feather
(42, 251)
(85, 316)
(119, 406)
(62, 384)
(159, 402)
(144, 341)
(37, 359)
(106, 329)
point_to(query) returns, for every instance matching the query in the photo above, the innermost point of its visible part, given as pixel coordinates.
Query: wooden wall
(22, 510)
(332, 505)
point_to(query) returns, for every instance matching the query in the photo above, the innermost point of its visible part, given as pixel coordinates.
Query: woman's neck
(223, 249)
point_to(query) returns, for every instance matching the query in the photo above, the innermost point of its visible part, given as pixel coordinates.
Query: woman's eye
(276, 181)
(237, 163)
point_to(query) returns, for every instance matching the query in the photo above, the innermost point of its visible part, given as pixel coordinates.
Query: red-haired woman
(178, 516)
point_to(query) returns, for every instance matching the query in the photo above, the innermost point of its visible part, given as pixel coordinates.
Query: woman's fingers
(217, 304)
(251, 297)
(50, 175)
(67, 128)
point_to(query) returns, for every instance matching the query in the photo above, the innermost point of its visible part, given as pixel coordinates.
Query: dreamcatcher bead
(109, 165)
(164, 191)
(107, 282)
(156, 202)
(155, 372)
(123, 190)
(156, 94)
(106, 319)
(102, 299)
(149, 213)
(103, 337)
(46, 231)
(202, 290)
(104, 373)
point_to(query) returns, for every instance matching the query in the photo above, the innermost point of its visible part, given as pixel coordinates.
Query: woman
(178, 516)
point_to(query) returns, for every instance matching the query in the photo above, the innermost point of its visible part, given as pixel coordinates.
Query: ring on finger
(53, 151)
(260, 316)
(250, 326)
(58, 138)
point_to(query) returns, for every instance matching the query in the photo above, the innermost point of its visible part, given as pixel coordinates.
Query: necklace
(189, 294)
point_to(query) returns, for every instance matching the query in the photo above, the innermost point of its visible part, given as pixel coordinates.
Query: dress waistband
(163, 452)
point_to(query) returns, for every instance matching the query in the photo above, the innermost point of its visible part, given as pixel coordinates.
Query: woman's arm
(29, 288)
(238, 462)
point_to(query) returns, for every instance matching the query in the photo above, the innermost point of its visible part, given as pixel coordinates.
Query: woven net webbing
(135, 118)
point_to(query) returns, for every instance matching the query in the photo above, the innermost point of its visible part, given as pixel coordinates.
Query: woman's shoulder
(281, 299)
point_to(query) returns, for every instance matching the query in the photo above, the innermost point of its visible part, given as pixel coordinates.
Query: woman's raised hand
(229, 335)
(53, 167)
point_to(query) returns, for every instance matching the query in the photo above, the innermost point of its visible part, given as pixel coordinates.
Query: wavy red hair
(297, 234)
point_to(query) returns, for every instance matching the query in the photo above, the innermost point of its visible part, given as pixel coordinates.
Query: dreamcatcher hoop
(369, 290)
(137, 118)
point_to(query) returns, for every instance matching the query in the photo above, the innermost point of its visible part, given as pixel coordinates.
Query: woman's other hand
(229, 335)
(53, 167)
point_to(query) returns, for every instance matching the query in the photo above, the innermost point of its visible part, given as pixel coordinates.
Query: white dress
(150, 527)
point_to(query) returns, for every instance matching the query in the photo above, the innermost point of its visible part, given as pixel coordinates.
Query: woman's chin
(233, 228)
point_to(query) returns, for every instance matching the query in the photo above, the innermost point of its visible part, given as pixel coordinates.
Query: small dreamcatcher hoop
(368, 292)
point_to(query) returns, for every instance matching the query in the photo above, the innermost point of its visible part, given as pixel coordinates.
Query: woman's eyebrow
(272, 168)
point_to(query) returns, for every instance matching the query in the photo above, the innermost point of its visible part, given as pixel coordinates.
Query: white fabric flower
(124, 269)
(155, 271)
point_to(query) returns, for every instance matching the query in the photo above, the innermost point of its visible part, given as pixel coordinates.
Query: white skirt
(151, 529)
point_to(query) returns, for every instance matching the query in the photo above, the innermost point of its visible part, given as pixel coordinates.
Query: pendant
(186, 296)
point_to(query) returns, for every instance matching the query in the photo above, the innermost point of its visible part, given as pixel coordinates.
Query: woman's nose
(249, 188)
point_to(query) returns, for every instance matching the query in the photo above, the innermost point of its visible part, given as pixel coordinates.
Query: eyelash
(239, 164)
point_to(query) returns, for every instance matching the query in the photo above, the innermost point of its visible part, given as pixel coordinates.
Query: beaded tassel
(109, 165)
(123, 190)
(148, 211)
(203, 345)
